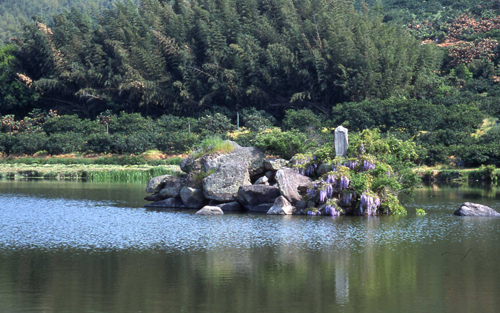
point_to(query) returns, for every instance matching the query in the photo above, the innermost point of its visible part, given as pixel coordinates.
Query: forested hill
(12, 12)
(183, 56)
(424, 70)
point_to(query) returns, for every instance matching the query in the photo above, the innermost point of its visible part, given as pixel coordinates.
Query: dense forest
(426, 71)
(14, 12)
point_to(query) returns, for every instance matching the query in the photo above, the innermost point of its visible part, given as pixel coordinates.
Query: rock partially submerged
(281, 206)
(156, 183)
(230, 207)
(192, 198)
(172, 203)
(228, 187)
(474, 209)
(210, 210)
(250, 196)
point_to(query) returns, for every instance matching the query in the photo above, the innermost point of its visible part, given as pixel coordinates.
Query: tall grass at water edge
(87, 173)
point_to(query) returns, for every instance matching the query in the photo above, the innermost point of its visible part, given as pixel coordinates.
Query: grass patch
(92, 173)
(102, 160)
(198, 177)
(213, 145)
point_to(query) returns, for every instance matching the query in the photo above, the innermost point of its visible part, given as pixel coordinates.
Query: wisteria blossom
(325, 192)
(344, 182)
(351, 164)
(303, 167)
(331, 210)
(362, 148)
(367, 165)
(346, 198)
(369, 204)
(330, 179)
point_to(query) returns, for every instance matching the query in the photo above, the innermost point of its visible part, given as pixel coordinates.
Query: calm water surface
(88, 247)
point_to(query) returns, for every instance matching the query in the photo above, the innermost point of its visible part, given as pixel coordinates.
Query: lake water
(89, 247)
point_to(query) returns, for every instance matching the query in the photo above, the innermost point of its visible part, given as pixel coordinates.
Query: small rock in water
(474, 209)
(281, 206)
(210, 210)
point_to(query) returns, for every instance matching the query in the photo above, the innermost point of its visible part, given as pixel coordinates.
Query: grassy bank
(92, 172)
(460, 175)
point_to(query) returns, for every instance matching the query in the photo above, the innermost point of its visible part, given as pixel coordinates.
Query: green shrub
(131, 123)
(138, 143)
(61, 143)
(283, 144)
(257, 120)
(302, 120)
(28, 143)
(100, 143)
(215, 124)
(178, 142)
(71, 123)
(6, 142)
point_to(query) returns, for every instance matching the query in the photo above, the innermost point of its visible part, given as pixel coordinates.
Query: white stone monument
(341, 141)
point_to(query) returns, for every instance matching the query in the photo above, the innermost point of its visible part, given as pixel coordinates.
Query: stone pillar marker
(341, 141)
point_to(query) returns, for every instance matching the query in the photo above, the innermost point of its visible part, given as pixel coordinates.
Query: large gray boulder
(172, 203)
(474, 209)
(281, 206)
(288, 181)
(230, 207)
(253, 156)
(191, 163)
(210, 210)
(249, 196)
(275, 164)
(155, 197)
(156, 184)
(192, 198)
(224, 183)
(171, 187)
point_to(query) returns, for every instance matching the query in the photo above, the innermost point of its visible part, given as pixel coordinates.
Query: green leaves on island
(367, 182)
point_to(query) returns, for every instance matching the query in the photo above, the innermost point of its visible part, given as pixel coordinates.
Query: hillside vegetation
(422, 71)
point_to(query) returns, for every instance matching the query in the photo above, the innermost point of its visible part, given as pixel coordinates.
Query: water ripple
(37, 223)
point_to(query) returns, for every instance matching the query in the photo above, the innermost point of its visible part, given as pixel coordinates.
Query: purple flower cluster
(362, 148)
(330, 210)
(369, 203)
(311, 192)
(346, 198)
(351, 164)
(326, 192)
(367, 165)
(344, 182)
(309, 169)
(330, 179)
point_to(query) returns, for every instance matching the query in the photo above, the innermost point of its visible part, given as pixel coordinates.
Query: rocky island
(243, 179)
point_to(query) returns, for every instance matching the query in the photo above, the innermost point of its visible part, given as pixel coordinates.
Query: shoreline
(92, 172)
